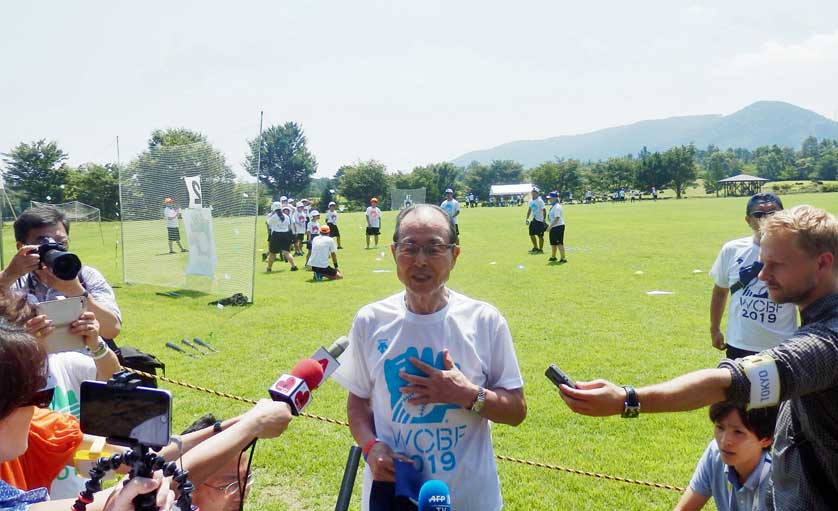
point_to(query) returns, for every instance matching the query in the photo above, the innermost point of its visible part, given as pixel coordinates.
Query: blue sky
(406, 83)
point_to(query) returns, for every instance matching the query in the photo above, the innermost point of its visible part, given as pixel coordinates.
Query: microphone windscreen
(310, 371)
(434, 496)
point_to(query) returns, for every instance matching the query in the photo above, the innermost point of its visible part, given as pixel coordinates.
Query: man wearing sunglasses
(427, 369)
(754, 321)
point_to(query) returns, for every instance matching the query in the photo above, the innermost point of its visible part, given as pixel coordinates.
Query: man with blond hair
(799, 248)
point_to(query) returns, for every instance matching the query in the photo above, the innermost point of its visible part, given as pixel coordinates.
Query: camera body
(63, 264)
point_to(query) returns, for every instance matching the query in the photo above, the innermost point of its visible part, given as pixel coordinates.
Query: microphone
(328, 358)
(295, 389)
(175, 347)
(434, 496)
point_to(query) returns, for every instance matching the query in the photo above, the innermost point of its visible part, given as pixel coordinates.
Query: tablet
(62, 312)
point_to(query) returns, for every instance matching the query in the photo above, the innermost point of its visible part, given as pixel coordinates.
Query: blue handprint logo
(403, 412)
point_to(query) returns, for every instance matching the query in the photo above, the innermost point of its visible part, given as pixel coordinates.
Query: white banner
(193, 186)
(198, 225)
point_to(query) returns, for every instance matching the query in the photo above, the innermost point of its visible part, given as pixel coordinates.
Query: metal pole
(256, 215)
(121, 239)
(349, 473)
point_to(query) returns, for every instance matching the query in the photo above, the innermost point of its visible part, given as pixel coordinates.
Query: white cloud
(818, 49)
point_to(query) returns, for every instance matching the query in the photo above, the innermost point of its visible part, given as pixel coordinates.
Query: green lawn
(591, 316)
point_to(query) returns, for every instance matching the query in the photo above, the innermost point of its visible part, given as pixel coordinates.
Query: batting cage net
(401, 198)
(187, 222)
(75, 211)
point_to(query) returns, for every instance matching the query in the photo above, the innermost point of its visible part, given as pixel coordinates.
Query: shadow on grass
(182, 293)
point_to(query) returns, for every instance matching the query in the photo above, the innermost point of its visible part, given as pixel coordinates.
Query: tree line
(38, 171)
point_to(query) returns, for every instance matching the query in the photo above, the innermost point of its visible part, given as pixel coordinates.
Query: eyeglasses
(761, 214)
(409, 249)
(41, 399)
(233, 487)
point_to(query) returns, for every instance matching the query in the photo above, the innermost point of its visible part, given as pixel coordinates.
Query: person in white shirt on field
(452, 207)
(536, 225)
(324, 247)
(281, 236)
(373, 215)
(300, 228)
(171, 213)
(555, 226)
(332, 222)
(754, 322)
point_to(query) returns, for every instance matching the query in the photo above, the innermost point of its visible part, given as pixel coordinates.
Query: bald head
(428, 213)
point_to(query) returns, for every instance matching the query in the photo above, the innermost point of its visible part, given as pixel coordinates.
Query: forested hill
(762, 123)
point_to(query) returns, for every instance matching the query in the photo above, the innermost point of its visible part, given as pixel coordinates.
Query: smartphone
(558, 377)
(62, 312)
(126, 417)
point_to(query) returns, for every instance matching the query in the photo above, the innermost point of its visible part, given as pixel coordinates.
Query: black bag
(237, 300)
(132, 358)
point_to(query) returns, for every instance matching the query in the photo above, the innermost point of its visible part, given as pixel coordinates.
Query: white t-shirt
(321, 248)
(313, 229)
(537, 209)
(69, 369)
(447, 442)
(275, 224)
(331, 216)
(754, 322)
(170, 214)
(556, 213)
(451, 207)
(374, 216)
(300, 221)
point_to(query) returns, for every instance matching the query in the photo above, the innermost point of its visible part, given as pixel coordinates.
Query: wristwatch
(479, 401)
(631, 408)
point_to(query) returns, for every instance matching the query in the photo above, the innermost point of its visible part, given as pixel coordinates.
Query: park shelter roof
(742, 178)
(517, 189)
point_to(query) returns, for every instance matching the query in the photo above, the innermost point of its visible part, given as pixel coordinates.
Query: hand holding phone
(558, 377)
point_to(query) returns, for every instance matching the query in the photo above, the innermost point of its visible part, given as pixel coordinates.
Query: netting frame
(72, 214)
(156, 176)
(400, 196)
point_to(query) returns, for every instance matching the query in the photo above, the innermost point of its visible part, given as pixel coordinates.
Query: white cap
(275, 206)
(535, 189)
(314, 212)
(332, 204)
(300, 205)
(283, 199)
(305, 200)
(448, 190)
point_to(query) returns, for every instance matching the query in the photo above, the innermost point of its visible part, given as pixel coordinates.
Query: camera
(63, 264)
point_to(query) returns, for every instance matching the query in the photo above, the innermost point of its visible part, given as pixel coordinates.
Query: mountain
(762, 123)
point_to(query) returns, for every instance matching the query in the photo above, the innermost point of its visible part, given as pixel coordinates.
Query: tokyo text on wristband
(368, 447)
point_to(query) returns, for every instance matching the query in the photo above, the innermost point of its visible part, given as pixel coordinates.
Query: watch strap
(631, 407)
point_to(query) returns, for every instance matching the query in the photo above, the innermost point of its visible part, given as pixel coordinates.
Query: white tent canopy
(503, 190)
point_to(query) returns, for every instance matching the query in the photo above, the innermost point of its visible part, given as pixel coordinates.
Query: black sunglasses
(41, 399)
(761, 214)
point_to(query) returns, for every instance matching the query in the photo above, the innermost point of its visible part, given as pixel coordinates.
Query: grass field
(591, 316)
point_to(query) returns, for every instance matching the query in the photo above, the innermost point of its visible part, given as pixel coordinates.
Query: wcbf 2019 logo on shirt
(403, 412)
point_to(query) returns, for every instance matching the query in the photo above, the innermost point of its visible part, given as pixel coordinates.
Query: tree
(620, 173)
(652, 171)
(480, 178)
(680, 162)
(364, 180)
(769, 162)
(158, 173)
(718, 166)
(96, 185)
(36, 171)
(560, 175)
(434, 178)
(809, 148)
(286, 163)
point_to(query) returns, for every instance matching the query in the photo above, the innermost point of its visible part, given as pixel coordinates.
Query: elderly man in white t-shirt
(754, 322)
(428, 368)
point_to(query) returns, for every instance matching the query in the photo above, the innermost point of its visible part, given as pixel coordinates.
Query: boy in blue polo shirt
(735, 469)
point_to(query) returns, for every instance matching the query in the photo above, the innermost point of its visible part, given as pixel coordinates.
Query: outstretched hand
(598, 398)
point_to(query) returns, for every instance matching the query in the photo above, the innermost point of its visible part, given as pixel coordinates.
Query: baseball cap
(553, 195)
(448, 190)
(300, 205)
(373, 200)
(762, 198)
(286, 208)
(332, 204)
(535, 189)
(275, 206)
(304, 200)
(314, 212)
(325, 229)
(283, 198)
